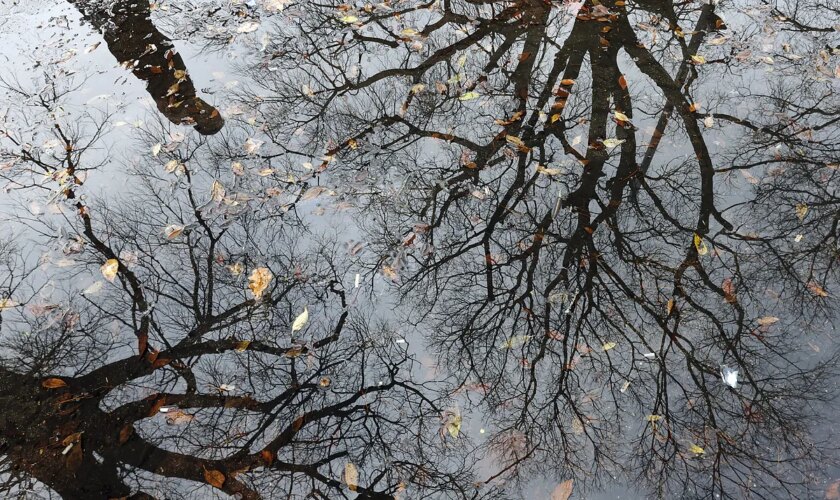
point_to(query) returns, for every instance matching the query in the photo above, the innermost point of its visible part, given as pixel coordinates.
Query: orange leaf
(622, 82)
(214, 478)
(54, 383)
(267, 456)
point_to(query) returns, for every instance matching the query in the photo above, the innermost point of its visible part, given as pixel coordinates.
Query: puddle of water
(264, 249)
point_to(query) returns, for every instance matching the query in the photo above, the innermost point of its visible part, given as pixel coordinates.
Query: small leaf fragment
(696, 449)
(609, 345)
(469, 96)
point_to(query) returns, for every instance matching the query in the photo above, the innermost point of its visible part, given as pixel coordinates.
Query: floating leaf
(621, 117)
(53, 383)
(452, 422)
(729, 376)
(252, 146)
(653, 418)
(351, 476)
(700, 245)
(609, 345)
(622, 82)
(241, 346)
(214, 477)
(109, 269)
(563, 490)
(698, 59)
(259, 280)
(515, 341)
(248, 27)
(611, 143)
(156, 149)
(468, 96)
(301, 320)
(709, 121)
(7, 304)
(348, 19)
(801, 211)
(217, 191)
(172, 231)
(767, 320)
(696, 449)
(816, 289)
(568, 82)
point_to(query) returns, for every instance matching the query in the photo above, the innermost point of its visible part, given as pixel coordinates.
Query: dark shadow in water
(134, 40)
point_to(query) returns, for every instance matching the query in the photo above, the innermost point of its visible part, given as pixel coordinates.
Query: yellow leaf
(696, 449)
(348, 19)
(468, 96)
(217, 191)
(555, 117)
(516, 141)
(351, 476)
(609, 345)
(242, 345)
(611, 143)
(301, 320)
(548, 171)
(698, 59)
(109, 269)
(621, 117)
(653, 418)
(453, 423)
(515, 341)
(7, 304)
(670, 306)
(700, 245)
(259, 280)
(417, 87)
(801, 211)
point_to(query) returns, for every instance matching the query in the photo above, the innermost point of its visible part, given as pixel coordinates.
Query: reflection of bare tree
(567, 270)
(133, 39)
(213, 385)
(583, 275)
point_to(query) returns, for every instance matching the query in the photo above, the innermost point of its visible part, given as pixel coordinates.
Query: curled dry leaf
(109, 269)
(351, 476)
(563, 490)
(301, 320)
(53, 383)
(214, 477)
(172, 231)
(259, 280)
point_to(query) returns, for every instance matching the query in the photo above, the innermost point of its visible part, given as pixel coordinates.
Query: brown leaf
(159, 402)
(214, 477)
(563, 490)
(74, 457)
(53, 383)
(125, 433)
(622, 82)
(816, 289)
(267, 456)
